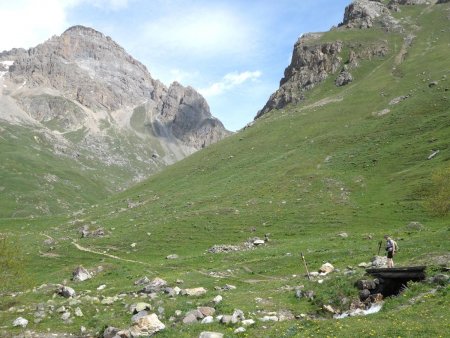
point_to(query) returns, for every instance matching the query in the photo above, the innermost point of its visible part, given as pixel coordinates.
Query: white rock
(133, 245)
(208, 320)
(147, 326)
(240, 330)
(194, 292)
(217, 299)
(207, 334)
(269, 318)
(78, 312)
(101, 287)
(320, 281)
(258, 242)
(20, 322)
(81, 274)
(326, 268)
(314, 274)
(248, 322)
(65, 316)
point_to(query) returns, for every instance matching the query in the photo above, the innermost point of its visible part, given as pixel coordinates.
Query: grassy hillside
(339, 162)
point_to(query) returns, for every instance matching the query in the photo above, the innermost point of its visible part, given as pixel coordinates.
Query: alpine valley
(266, 232)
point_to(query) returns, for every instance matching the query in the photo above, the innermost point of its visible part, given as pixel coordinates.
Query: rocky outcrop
(312, 62)
(364, 13)
(89, 68)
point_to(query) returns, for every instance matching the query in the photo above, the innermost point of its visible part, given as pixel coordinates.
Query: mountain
(325, 177)
(96, 110)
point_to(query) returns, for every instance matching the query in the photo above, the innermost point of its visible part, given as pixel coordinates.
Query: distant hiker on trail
(391, 249)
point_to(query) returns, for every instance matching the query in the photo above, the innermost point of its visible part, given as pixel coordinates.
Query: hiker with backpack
(391, 249)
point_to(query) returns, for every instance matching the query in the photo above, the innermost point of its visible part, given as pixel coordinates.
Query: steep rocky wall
(311, 64)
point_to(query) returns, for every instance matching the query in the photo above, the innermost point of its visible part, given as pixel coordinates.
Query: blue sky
(233, 51)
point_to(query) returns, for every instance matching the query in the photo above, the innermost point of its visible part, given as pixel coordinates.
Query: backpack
(394, 245)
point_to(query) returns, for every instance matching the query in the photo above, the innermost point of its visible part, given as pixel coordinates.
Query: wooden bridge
(393, 280)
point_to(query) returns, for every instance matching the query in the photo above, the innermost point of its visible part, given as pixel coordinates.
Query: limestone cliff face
(85, 79)
(311, 63)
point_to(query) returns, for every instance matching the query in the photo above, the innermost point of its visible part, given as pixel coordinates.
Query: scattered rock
(343, 79)
(417, 226)
(78, 312)
(229, 287)
(207, 311)
(20, 322)
(110, 332)
(155, 285)
(441, 279)
(269, 319)
(433, 84)
(208, 320)
(258, 242)
(142, 281)
(326, 268)
(80, 274)
(109, 300)
(138, 315)
(379, 262)
(208, 334)
(366, 284)
(173, 256)
(146, 326)
(364, 294)
(343, 235)
(329, 308)
(195, 292)
(65, 316)
(240, 330)
(238, 315)
(101, 287)
(138, 307)
(248, 322)
(397, 100)
(66, 292)
(190, 318)
(217, 299)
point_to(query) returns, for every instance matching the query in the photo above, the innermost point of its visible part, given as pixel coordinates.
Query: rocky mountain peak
(84, 82)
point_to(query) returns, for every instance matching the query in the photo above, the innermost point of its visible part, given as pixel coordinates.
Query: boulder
(138, 315)
(343, 79)
(269, 319)
(20, 322)
(190, 318)
(379, 262)
(258, 242)
(146, 326)
(81, 274)
(248, 322)
(155, 285)
(217, 299)
(366, 284)
(326, 268)
(78, 312)
(207, 311)
(110, 332)
(109, 300)
(237, 316)
(208, 320)
(364, 294)
(240, 330)
(194, 292)
(329, 308)
(66, 292)
(65, 316)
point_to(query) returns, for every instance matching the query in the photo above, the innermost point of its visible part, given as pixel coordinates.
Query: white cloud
(109, 4)
(200, 32)
(229, 81)
(26, 23)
